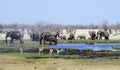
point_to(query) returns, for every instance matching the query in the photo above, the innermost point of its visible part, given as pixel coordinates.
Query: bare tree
(104, 25)
(14, 26)
(70, 29)
(116, 26)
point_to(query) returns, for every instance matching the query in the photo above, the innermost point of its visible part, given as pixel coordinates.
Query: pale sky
(59, 11)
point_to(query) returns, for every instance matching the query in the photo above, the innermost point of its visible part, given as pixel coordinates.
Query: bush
(70, 51)
(87, 50)
(116, 47)
(105, 51)
(73, 53)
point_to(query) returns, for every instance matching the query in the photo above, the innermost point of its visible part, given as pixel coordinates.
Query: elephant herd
(52, 38)
(14, 35)
(93, 36)
(42, 38)
(99, 35)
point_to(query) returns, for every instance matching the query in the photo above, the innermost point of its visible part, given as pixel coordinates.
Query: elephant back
(16, 34)
(81, 36)
(45, 34)
(101, 33)
(91, 33)
(106, 33)
(98, 32)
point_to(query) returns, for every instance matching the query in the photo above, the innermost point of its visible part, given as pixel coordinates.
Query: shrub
(116, 47)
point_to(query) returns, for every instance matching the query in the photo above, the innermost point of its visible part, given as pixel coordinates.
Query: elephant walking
(14, 35)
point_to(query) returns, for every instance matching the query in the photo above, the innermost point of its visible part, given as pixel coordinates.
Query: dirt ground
(8, 62)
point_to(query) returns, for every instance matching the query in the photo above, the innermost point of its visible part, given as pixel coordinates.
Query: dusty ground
(8, 62)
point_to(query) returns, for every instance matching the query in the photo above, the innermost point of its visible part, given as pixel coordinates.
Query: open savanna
(16, 61)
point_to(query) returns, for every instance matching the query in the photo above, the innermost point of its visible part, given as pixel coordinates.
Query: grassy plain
(16, 61)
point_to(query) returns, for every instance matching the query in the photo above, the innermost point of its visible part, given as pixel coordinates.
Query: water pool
(95, 47)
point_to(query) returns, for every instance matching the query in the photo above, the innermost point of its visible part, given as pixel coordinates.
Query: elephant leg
(11, 41)
(40, 41)
(6, 40)
(55, 42)
(92, 37)
(100, 38)
(50, 41)
(97, 37)
(106, 38)
(84, 38)
(21, 41)
(44, 41)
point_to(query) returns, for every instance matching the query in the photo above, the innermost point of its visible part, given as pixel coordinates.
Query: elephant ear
(93, 32)
(90, 33)
(106, 33)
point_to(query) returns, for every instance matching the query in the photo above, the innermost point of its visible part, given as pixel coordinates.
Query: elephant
(34, 36)
(47, 36)
(81, 37)
(14, 35)
(101, 34)
(71, 37)
(63, 37)
(92, 35)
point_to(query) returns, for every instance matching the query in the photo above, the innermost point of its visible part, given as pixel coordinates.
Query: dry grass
(8, 62)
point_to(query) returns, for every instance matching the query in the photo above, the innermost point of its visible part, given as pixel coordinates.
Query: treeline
(56, 27)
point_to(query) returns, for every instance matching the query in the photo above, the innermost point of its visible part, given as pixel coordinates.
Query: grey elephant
(101, 34)
(34, 36)
(71, 37)
(47, 36)
(14, 35)
(63, 37)
(81, 37)
(92, 35)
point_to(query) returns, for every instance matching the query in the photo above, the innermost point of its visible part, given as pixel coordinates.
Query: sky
(59, 11)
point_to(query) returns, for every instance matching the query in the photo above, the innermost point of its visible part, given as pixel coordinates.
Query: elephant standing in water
(47, 36)
(14, 35)
(101, 34)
